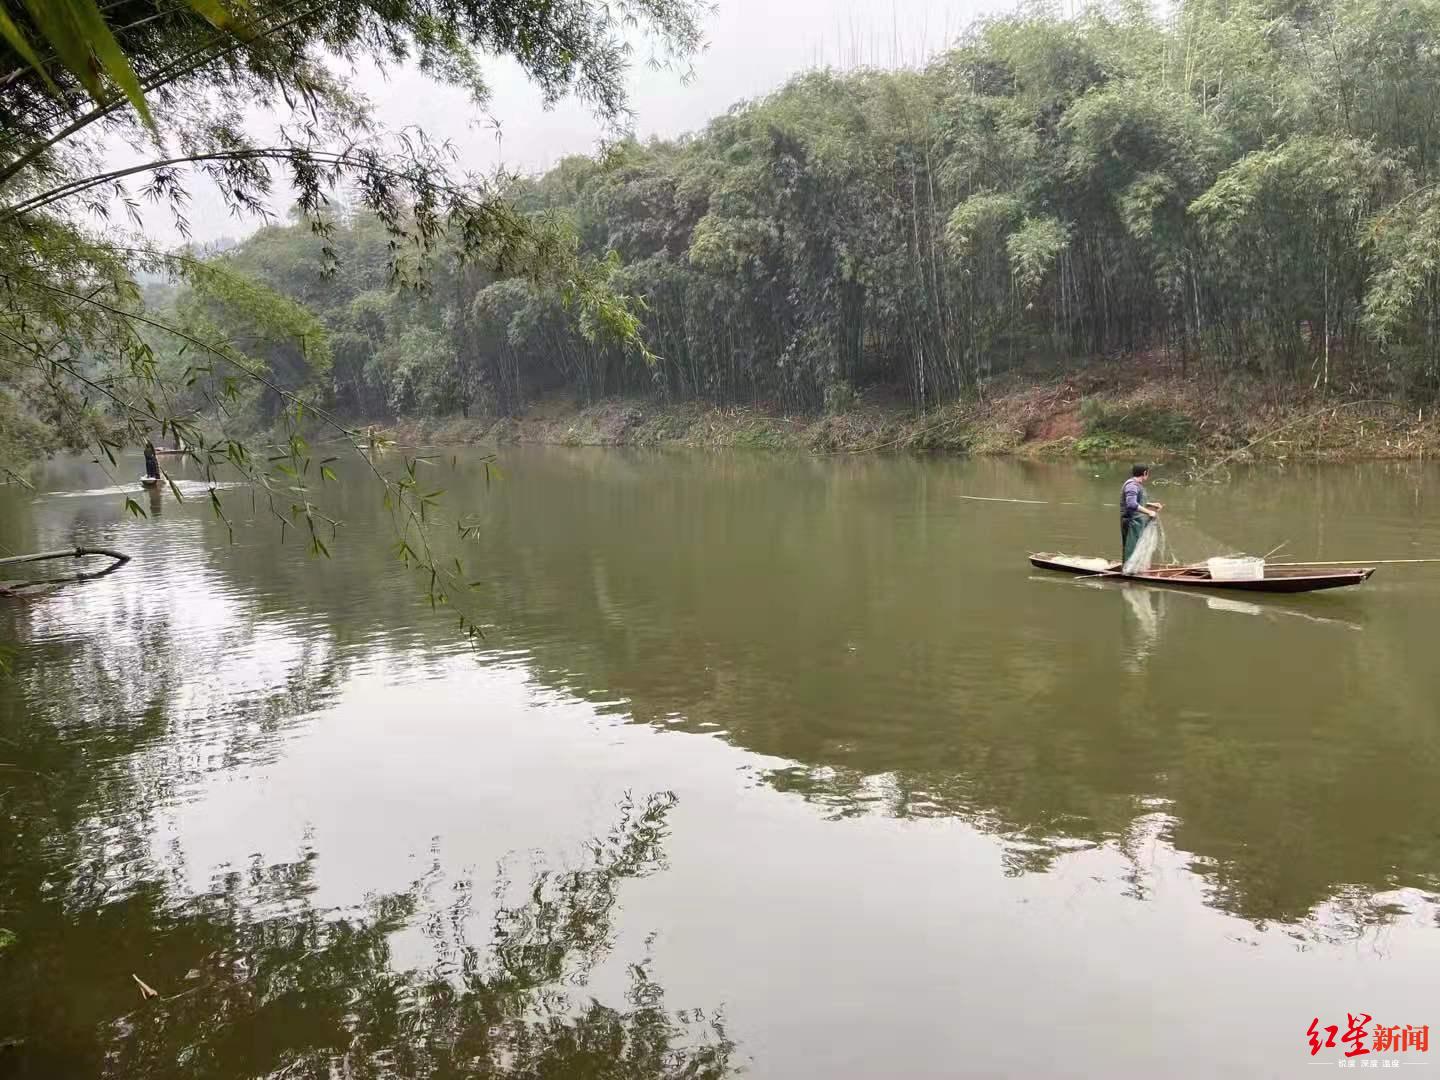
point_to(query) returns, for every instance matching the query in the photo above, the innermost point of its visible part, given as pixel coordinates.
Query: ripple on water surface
(897, 756)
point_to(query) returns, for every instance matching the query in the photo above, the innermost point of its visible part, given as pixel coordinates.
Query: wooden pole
(76, 553)
(15, 588)
(1357, 562)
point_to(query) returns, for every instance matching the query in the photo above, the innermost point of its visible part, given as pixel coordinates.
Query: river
(789, 766)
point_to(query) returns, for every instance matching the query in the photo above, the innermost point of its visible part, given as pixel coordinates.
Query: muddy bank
(1085, 415)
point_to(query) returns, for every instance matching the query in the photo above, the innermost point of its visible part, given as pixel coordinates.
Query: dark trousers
(1130, 530)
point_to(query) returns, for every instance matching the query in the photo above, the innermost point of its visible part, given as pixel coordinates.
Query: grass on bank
(1098, 414)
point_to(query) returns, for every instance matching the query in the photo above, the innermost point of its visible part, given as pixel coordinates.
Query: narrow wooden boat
(1291, 578)
(169, 450)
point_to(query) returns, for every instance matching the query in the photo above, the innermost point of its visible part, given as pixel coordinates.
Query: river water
(789, 766)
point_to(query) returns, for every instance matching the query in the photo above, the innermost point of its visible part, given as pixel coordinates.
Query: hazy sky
(754, 46)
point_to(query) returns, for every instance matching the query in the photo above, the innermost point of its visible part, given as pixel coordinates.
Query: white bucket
(1244, 569)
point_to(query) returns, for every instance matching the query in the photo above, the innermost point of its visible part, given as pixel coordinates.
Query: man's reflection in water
(1142, 627)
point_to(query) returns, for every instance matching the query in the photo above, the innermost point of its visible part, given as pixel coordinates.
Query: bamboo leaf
(82, 41)
(12, 33)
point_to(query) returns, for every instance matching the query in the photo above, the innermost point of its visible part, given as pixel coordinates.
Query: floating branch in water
(13, 588)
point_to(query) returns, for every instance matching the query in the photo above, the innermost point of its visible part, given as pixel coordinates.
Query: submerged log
(14, 588)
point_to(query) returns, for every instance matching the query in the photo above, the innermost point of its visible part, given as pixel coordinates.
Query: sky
(753, 47)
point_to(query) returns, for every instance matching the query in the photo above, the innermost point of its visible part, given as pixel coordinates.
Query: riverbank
(1090, 414)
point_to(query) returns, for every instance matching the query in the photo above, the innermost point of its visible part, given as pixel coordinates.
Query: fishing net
(1151, 542)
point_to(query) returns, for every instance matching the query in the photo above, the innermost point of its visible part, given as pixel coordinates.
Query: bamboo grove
(1239, 186)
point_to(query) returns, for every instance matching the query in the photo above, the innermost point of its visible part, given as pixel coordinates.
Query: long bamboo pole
(16, 588)
(76, 553)
(1357, 562)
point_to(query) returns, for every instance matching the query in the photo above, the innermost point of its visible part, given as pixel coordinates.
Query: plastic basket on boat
(1241, 569)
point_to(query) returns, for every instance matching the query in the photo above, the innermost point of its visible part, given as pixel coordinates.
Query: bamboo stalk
(15, 588)
(1359, 562)
(66, 553)
(984, 498)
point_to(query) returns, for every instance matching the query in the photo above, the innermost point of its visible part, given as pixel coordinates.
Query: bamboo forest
(1235, 187)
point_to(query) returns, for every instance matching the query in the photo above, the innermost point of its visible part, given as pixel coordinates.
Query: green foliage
(228, 346)
(1033, 249)
(1245, 187)
(1116, 426)
(1402, 306)
(82, 42)
(22, 437)
(1103, 443)
(265, 314)
(982, 221)
(420, 372)
(840, 397)
(759, 437)
(174, 79)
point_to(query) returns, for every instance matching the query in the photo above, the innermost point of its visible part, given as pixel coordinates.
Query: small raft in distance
(1290, 578)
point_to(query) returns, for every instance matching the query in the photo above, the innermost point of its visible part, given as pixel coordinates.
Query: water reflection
(126, 695)
(872, 642)
(1271, 608)
(284, 989)
(1145, 607)
(255, 980)
(860, 620)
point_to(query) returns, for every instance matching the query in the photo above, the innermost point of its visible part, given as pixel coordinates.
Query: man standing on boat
(1135, 512)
